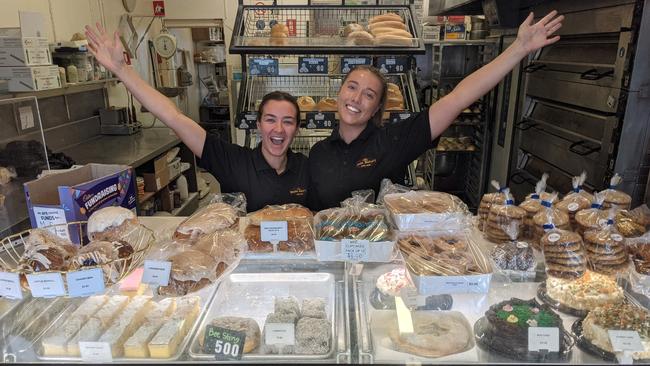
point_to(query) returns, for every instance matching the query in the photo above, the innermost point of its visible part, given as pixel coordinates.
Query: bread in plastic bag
(614, 197)
(606, 248)
(532, 205)
(363, 222)
(191, 271)
(639, 249)
(514, 258)
(632, 224)
(487, 201)
(593, 217)
(427, 210)
(502, 216)
(111, 223)
(576, 200)
(213, 217)
(300, 232)
(563, 252)
(548, 215)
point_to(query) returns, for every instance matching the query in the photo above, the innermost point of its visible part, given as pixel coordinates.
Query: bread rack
(12, 248)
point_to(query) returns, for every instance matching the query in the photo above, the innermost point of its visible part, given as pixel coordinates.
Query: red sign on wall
(159, 8)
(291, 27)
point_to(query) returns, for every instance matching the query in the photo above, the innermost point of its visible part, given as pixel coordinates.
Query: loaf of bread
(385, 17)
(306, 103)
(388, 39)
(387, 24)
(191, 271)
(279, 34)
(327, 105)
(352, 27)
(360, 38)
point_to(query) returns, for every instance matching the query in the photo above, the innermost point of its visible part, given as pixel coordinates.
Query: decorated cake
(586, 293)
(617, 317)
(390, 284)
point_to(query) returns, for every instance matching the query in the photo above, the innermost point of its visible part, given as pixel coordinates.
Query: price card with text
(312, 65)
(85, 283)
(625, 340)
(95, 352)
(274, 231)
(156, 272)
(349, 63)
(46, 284)
(391, 64)
(264, 66)
(412, 298)
(544, 338)
(320, 119)
(224, 343)
(279, 333)
(354, 250)
(246, 121)
(10, 286)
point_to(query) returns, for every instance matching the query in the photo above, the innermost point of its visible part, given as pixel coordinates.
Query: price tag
(247, 120)
(279, 333)
(390, 64)
(355, 250)
(224, 343)
(274, 231)
(53, 219)
(10, 285)
(85, 283)
(412, 298)
(544, 338)
(399, 116)
(46, 284)
(263, 66)
(312, 65)
(95, 352)
(156, 272)
(320, 119)
(348, 63)
(625, 340)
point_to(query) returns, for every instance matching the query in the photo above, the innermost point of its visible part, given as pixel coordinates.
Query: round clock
(165, 45)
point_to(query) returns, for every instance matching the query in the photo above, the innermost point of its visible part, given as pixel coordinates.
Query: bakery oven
(581, 103)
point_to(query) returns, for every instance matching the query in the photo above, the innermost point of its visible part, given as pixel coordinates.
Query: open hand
(534, 36)
(107, 50)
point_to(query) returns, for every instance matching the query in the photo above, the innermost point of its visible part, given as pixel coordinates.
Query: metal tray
(252, 295)
(207, 296)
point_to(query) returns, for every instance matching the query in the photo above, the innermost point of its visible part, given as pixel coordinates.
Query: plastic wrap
(300, 232)
(388, 187)
(614, 197)
(593, 217)
(548, 215)
(111, 223)
(444, 263)
(237, 200)
(576, 200)
(487, 201)
(213, 217)
(502, 216)
(45, 251)
(564, 254)
(532, 205)
(356, 221)
(427, 210)
(606, 248)
(632, 224)
(639, 249)
(514, 259)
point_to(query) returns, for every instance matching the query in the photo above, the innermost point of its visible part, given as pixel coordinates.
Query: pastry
(629, 225)
(136, 345)
(327, 105)
(563, 254)
(388, 39)
(599, 321)
(425, 202)
(279, 34)
(395, 24)
(239, 324)
(126, 324)
(45, 251)
(167, 340)
(606, 250)
(514, 256)
(488, 200)
(352, 27)
(279, 318)
(111, 223)
(394, 104)
(306, 103)
(500, 220)
(359, 38)
(586, 293)
(390, 284)
(441, 255)
(313, 336)
(191, 271)
(107, 255)
(391, 31)
(435, 334)
(639, 249)
(287, 305)
(213, 217)
(589, 219)
(314, 308)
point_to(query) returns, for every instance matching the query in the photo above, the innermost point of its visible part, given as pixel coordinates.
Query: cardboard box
(174, 168)
(206, 34)
(25, 56)
(31, 78)
(153, 182)
(455, 31)
(76, 194)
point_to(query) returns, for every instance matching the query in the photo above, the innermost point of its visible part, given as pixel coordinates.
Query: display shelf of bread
(331, 29)
(426, 210)
(462, 143)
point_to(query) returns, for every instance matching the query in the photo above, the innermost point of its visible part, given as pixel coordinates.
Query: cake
(617, 317)
(167, 340)
(390, 284)
(586, 293)
(313, 336)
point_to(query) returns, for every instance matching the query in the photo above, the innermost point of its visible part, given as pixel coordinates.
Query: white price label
(95, 352)
(274, 231)
(156, 272)
(48, 216)
(625, 340)
(617, 237)
(412, 298)
(10, 285)
(544, 338)
(85, 283)
(355, 250)
(573, 206)
(553, 237)
(46, 284)
(26, 117)
(279, 333)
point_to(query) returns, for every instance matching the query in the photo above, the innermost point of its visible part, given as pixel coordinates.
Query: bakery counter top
(132, 150)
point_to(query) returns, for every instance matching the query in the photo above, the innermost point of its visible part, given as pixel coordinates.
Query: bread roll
(279, 29)
(191, 271)
(350, 28)
(327, 105)
(300, 238)
(387, 24)
(306, 103)
(360, 38)
(393, 31)
(385, 17)
(391, 40)
(111, 223)
(393, 104)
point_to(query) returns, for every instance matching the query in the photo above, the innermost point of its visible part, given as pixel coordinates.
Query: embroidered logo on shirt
(298, 191)
(366, 163)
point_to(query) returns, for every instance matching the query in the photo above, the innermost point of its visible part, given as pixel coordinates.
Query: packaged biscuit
(502, 216)
(515, 259)
(548, 214)
(487, 201)
(532, 205)
(632, 224)
(614, 197)
(593, 217)
(576, 200)
(606, 248)
(563, 251)
(265, 231)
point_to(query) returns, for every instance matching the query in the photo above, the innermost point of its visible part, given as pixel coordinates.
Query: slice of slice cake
(136, 345)
(166, 341)
(126, 324)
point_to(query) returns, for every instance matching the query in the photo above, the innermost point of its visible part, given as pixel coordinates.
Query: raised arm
(530, 37)
(109, 52)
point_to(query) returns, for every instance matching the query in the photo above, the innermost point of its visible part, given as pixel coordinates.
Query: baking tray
(207, 296)
(586, 346)
(8, 306)
(252, 295)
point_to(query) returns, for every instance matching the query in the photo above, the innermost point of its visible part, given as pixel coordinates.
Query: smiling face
(278, 126)
(360, 97)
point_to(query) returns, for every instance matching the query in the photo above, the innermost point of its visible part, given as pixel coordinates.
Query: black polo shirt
(336, 168)
(241, 169)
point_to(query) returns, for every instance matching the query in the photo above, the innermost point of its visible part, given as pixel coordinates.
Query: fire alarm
(159, 8)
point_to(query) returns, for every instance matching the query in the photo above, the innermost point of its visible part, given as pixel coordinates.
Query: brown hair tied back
(377, 117)
(278, 96)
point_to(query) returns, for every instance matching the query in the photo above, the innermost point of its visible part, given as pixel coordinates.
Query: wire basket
(140, 239)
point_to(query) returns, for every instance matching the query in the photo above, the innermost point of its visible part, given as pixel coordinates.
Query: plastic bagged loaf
(614, 197)
(606, 248)
(213, 217)
(514, 258)
(502, 216)
(300, 232)
(593, 217)
(639, 249)
(632, 224)
(532, 205)
(563, 252)
(427, 210)
(548, 215)
(487, 201)
(576, 200)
